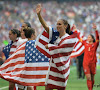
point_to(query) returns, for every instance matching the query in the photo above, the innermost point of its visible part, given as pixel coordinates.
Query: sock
(34, 87)
(89, 84)
(92, 83)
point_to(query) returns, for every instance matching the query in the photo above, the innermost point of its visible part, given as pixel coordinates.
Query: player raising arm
(60, 47)
(89, 62)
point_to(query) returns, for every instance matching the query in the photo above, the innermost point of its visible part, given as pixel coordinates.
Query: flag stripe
(62, 63)
(28, 72)
(13, 64)
(43, 51)
(61, 72)
(78, 48)
(60, 54)
(43, 42)
(69, 39)
(63, 46)
(28, 76)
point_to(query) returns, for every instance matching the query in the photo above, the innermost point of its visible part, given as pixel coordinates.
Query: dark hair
(68, 30)
(28, 24)
(15, 31)
(92, 37)
(28, 32)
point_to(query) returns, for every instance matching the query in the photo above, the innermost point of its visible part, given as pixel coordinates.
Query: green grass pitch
(73, 82)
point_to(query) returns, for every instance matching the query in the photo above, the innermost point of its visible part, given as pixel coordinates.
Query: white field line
(3, 87)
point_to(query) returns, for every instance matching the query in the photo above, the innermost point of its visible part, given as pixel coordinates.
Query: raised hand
(38, 9)
(42, 21)
(94, 26)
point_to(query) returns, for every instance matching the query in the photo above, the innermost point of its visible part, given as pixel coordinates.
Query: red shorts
(89, 68)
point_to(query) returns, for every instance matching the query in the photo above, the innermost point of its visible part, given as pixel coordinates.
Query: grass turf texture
(73, 82)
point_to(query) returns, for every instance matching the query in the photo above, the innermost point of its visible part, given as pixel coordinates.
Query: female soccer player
(25, 25)
(14, 35)
(58, 72)
(30, 35)
(89, 62)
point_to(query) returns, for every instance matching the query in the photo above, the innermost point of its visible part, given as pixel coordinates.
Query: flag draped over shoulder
(79, 47)
(43, 39)
(59, 65)
(11, 48)
(27, 66)
(6, 49)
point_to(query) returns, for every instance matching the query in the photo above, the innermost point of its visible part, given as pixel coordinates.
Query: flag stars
(36, 54)
(36, 59)
(39, 56)
(45, 56)
(29, 42)
(30, 59)
(33, 56)
(32, 44)
(28, 52)
(34, 51)
(42, 59)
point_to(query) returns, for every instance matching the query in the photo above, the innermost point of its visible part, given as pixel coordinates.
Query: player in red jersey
(89, 62)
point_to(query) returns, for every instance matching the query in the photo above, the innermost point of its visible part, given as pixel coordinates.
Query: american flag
(79, 47)
(6, 49)
(59, 65)
(10, 48)
(43, 39)
(27, 66)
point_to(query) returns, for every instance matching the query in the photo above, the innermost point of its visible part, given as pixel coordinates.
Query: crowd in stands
(82, 14)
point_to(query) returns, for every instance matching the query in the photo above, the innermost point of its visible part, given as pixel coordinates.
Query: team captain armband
(80, 39)
(97, 40)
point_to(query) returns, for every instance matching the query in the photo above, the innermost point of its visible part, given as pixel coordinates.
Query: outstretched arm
(42, 21)
(97, 34)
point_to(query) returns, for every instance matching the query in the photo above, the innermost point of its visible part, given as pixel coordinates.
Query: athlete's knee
(88, 77)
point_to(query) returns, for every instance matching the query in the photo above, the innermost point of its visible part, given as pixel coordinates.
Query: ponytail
(68, 30)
